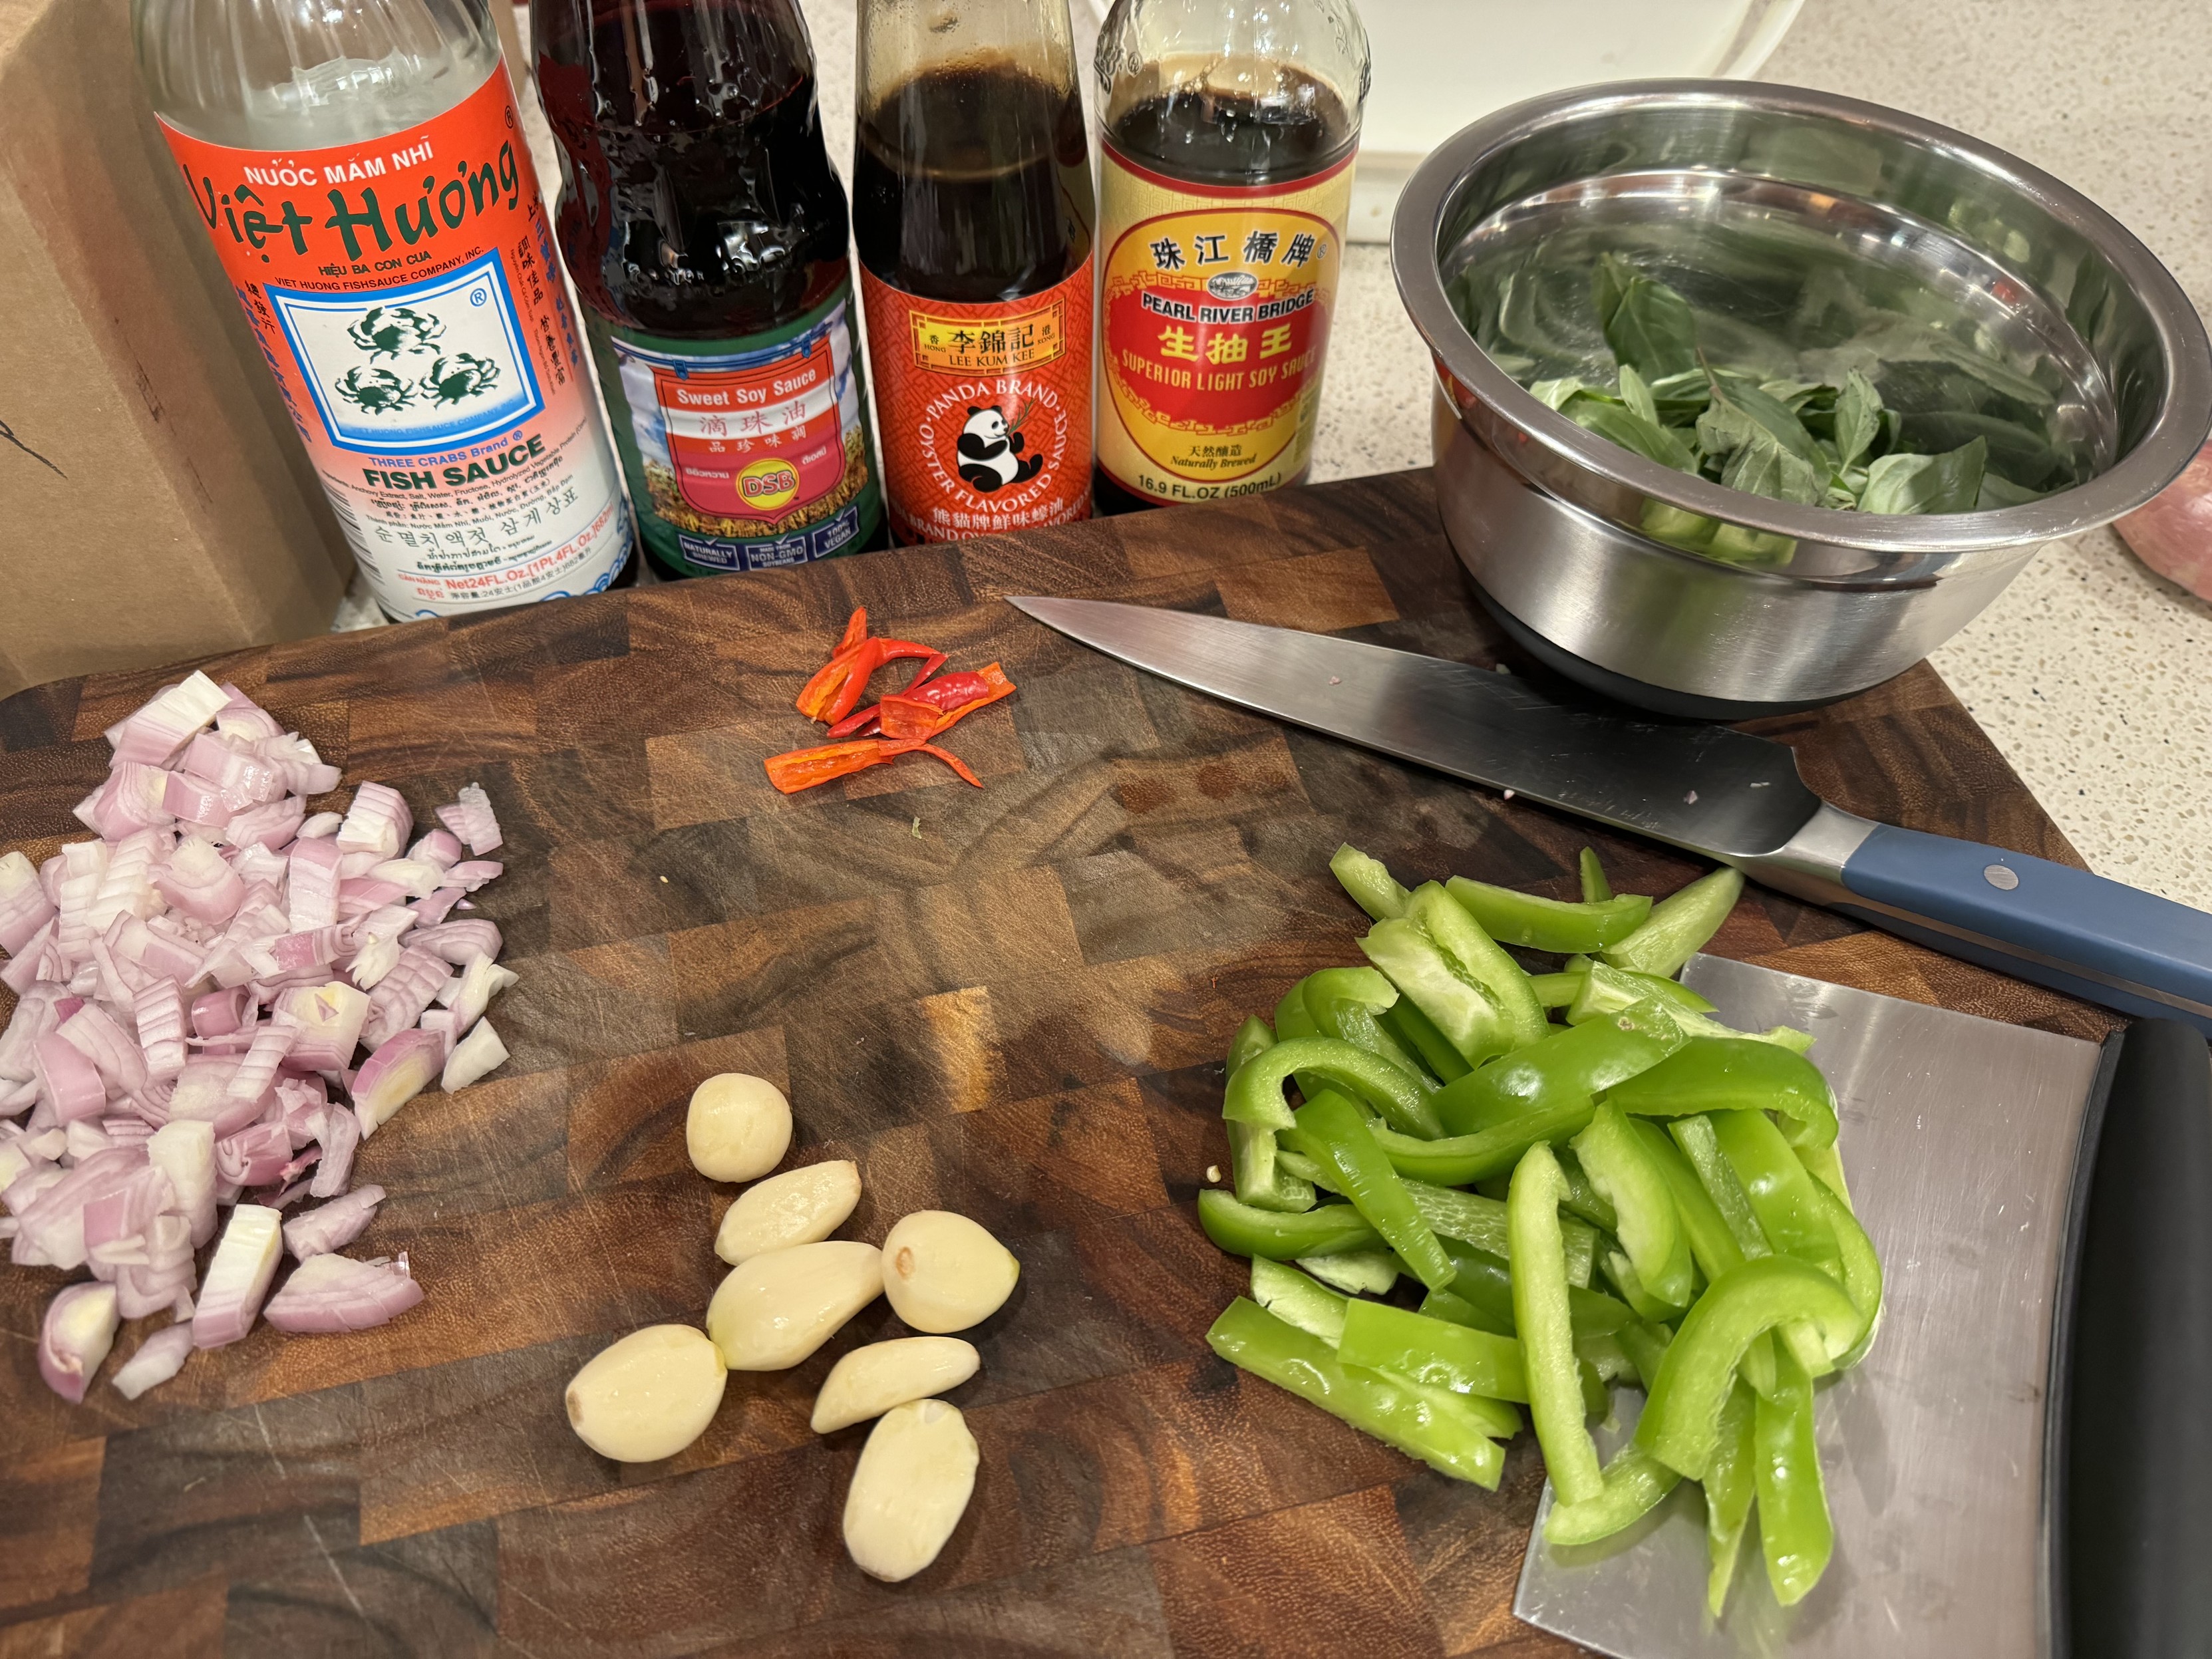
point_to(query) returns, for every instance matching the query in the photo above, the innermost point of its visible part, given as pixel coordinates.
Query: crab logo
(457, 378)
(374, 391)
(387, 330)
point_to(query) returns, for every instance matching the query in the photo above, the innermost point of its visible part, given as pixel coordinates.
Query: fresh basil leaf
(1619, 424)
(1793, 395)
(1553, 393)
(1736, 543)
(1610, 280)
(1997, 491)
(1764, 467)
(1858, 418)
(1950, 482)
(1650, 327)
(1678, 526)
(1769, 414)
(1637, 395)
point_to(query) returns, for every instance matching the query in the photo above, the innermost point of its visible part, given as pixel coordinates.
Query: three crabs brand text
(365, 223)
(476, 472)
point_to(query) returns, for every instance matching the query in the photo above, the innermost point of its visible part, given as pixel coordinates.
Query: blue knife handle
(2099, 940)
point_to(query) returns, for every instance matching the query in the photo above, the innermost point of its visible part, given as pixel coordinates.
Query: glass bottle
(707, 235)
(362, 170)
(972, 212)
(1227, 133)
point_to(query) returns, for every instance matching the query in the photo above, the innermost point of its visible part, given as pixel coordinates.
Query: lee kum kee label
(405, 294)
(1214, 313)
(984, 410)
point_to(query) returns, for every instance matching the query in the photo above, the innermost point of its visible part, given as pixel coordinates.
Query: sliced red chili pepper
(861, 723)
(833, 692)
(804, 769)
(951, 760)
(856, 629)
(919, 714)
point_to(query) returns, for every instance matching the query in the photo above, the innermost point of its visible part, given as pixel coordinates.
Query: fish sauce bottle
(1227, 133)
(362, 172)
(972, 210)
(707, 235)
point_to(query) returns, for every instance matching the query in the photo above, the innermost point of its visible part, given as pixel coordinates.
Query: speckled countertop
(2094, 676)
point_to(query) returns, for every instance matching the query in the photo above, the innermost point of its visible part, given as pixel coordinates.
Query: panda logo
(989, 451)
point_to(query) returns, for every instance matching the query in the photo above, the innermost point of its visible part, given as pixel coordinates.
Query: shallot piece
(312, 883)
(473, 873)
(334, 1225)
(319, 825)
(401, 995)
(416, 878)
(79, 1329)
(241, 717)
(69, 1081)
(439, 848)
(158, 731)
(329, 1292)
(24, 907)
(340, 1135)
(477, 1054)
(2173, 534)
(160, 1357)
(197, 882)
(458, 941)
(328, 1019)
(36, 1015)
(183, 1150)
(93, 1033)
(400, 1069)
(471, 818)
(378, 822)
(238, 1278)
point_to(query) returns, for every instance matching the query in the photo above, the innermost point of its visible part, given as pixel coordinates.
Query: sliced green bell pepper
(1582, 1199)
(1419, 1033)
(1636, 1483)
(1596, 890)
(1253, 1158)
(1297, 1299)
(1476, 957)
(1461, 1011)
(1438, 1427)
(1783, 1196)
(1606, 1356)
(1712, 1245)
(1370, 884)
(1545, 1328)
(1432, 1351)
(1370, 1273)
(1708, 1074)
(1244, 1230)
(1630, 1284)
(1348, 1003)
(1826, 1166)
(1680, 1425)
(1730, 1484)
(1567, 1065)
(1606, 990)
(1647, 1345)
(1333, 1131)
(1458, 1160)
(1794, 1532)
(1256, 1093)
(1680, 925)
(1548, 924)
(1557, 990)
(1621, 1167)
(1253, 1039)
(1861, 1267)
(1292, 1018)
(1451, 1305)
(1694, 1137)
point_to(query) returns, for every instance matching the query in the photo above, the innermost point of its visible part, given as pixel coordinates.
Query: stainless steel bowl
(1796, 216)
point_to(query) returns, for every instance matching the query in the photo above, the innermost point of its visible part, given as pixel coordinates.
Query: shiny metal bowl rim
(2173, 438)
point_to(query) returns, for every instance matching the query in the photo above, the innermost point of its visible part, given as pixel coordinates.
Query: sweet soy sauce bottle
(972, 212)
(1228, 129)
(707, 235)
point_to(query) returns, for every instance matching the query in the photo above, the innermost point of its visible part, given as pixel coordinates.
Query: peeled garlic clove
(800, 1207)
(774, 1309)
(868, 1382)
(945, 1272)
(649, 1395)
(909, 1489)
(737, 1128)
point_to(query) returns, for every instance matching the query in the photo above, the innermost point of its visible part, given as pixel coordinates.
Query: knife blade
(1708, 789)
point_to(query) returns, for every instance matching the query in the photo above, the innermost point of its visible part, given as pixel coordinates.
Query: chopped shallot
(330, 1293)
(471, 819)
(320, 825)
(79, 1329)
(439, 848)
(458, 941)
(378, 822)
(24, 907)
(400, 1069)
(477, 1054)
(183, 1150)
(160, 1357)
(333, 1225)
(238, 1278)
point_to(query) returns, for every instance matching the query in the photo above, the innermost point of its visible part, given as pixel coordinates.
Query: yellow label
(962, 345)
(1214, 308)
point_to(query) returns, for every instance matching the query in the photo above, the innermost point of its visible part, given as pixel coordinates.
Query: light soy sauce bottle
(1228, 130)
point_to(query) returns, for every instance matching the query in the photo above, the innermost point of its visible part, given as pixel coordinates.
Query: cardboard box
(155, 502)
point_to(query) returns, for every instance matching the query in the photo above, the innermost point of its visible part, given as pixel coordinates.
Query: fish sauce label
(1213, 317)
(744, 454)
(984, 410)
(405, 293)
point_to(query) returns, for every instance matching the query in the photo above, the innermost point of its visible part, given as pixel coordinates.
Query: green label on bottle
(747, 453)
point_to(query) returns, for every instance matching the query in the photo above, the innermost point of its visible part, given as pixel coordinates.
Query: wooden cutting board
(1011, 1002)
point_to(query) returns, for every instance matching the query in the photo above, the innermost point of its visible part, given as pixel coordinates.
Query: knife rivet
(1999, 877)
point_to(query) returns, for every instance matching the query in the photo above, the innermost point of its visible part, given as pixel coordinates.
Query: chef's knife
(1707, 789)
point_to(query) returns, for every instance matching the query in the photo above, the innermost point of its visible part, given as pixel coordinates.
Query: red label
(984, 410)
(754, 443)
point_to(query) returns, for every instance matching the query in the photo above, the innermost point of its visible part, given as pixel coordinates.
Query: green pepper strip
(1783, 1196)
(1432, 1351)
(1255, 1162)
(1625, 1279)
(1680, 1425)
(1256, 1093)
(1582, 1199)
(1541, 1316)
(1861, 1266)
(1462, 1013)
(1647, 1345)
(1794, 1532)
(1596, 890)
(1566, 1064)
(1333, 1132)
(1734, 1074)
(1826, 1166)
(1419, 1032)
(1605, 989)
(1370, 884)
(1355, 1271)
(1244, 1229)
(1459, 1160)
(1557, 990)
(1348, 1003)
(1680, 925)
(1694, 1138)
(1451, 1305)
(1477, 956)
(1297, 1299)
(1636, 1483)
(1440, 1429)
(1730, 1485)
(1606, 1356)
(1712, 1244)
(1548, 924)
(1622, 1170)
